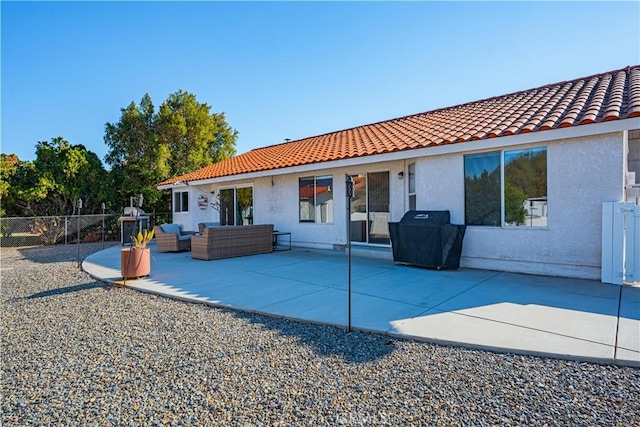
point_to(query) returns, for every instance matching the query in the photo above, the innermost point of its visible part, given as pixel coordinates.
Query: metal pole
(102, 206)
(349, 249)
(349, 193)
(79, 208)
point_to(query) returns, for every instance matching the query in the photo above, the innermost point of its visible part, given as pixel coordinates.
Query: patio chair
(171, 238)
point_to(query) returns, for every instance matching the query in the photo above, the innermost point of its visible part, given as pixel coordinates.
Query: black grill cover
(427, 239)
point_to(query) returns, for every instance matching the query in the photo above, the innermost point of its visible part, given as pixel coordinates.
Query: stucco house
(527, 172)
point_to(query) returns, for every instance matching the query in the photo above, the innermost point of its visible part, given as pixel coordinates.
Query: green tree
(195, 137)
(66, 173)
(136, 157)
(482, 198)
(146, 147)
(514, 210)
(10, 166)
(51, 184)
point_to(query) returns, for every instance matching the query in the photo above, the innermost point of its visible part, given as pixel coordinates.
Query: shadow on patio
(558, 317)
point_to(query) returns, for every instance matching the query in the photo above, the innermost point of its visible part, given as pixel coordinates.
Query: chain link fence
(63, 230)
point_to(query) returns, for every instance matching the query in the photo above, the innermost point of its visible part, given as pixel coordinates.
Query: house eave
(466, 147)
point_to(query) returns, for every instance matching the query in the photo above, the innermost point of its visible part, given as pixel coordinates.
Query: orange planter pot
(135, 263)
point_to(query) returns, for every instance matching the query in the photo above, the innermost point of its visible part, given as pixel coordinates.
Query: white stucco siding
(582, 173)
(278, 204)
(440, 185)
(189, 220)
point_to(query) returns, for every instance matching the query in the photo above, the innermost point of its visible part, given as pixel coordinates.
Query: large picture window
(506, 188)
(181, 201)
(316, 199)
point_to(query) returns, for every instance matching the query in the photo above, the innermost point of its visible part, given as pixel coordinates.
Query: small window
(316, 199)
(412, 186)
(181, 201)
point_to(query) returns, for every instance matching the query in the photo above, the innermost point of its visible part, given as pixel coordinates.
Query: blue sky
(289, 69)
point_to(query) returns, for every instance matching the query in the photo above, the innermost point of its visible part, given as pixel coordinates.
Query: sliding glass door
(370, 208)
(236, 206)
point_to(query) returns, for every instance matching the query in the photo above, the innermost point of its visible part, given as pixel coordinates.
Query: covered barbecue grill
(427, 239)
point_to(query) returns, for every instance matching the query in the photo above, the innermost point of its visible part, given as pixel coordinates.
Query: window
(482, 189)
(370, 208)
(316, 199)
(412, 187)
(508, 188)
(525, 188)
(180, 201)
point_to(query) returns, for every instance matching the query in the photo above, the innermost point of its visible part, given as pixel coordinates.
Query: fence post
(78, 237)
(102, 206)
(66, 229)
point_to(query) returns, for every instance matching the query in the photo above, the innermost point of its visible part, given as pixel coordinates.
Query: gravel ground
(77, 352)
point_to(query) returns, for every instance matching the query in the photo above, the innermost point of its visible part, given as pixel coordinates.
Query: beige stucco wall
(582, 173)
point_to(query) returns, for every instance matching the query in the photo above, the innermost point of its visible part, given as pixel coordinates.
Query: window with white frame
(180, 201)
(506, 188)
(316, 199)
(412, 187)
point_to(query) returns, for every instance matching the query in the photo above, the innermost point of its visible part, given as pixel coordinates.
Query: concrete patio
(498, 311)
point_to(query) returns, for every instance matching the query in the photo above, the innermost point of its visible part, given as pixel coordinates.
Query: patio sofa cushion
(171, 228)
(232, 241)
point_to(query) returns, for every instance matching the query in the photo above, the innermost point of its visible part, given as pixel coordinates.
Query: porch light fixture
(400, 175)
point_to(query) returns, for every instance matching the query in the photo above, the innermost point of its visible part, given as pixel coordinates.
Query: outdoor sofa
(203, 225)
(171, 238)
(232, 241)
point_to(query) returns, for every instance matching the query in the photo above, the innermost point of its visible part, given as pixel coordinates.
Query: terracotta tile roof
(603, 97)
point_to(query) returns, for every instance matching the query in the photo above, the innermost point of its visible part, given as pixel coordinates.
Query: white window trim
(179, 194)
(235, 197)
(315, 184)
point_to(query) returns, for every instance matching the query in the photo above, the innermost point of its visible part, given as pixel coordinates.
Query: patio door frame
(367, 213)
(235, 203)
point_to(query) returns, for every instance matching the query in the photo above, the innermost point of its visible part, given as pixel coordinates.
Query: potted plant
(135, 261)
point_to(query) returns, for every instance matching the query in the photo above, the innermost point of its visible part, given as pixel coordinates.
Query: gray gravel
(76, 352)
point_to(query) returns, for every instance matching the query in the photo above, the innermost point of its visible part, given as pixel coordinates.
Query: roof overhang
(463, 147)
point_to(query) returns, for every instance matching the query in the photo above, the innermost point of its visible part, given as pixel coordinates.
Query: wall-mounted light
(400, 175)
